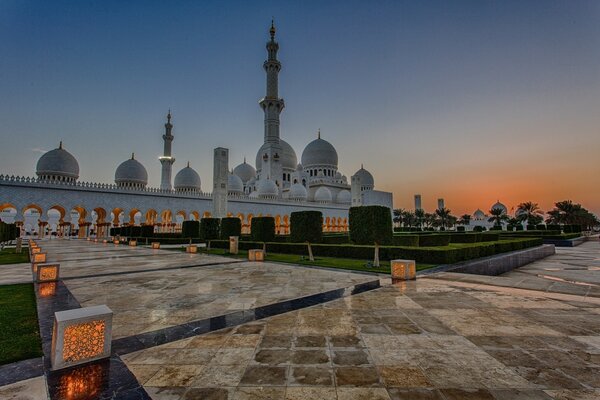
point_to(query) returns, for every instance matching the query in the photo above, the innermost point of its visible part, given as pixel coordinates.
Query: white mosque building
(276, 185)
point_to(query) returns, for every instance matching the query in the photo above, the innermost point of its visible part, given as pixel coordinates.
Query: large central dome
(288, 155)
(319, 152)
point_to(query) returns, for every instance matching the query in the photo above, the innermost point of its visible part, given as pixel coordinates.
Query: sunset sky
(472, 101)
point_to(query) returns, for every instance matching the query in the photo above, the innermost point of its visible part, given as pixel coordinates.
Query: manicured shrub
(460, 229)
(115, 231)
(230, 226)
(136, 231)
(370, 224)
(519, 227)
(336, 239)
(490, 237)
(147, 231)
(465, 238)
(126, 231)
(510, 228)
(553, 227)
(531, 227)
(540, 227)
(496, 228)
(209, 228)
(306, 226)
(262, 229)
(434, 240)
(478, 228)
(190, 229)
(406, 240)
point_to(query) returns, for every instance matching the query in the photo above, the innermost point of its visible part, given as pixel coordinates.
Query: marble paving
(445, 336)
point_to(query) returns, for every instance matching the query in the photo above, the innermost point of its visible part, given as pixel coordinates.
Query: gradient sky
(472, 101)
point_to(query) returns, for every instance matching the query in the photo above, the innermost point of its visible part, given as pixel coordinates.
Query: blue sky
(472, 101)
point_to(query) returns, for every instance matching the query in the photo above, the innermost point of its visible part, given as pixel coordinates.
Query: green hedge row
(370, 225)
(421, 255)
(306, 226)
(8, 232)
(230, 226)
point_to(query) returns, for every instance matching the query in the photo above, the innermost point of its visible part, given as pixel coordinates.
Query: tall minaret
(271, 104)
(166, 160)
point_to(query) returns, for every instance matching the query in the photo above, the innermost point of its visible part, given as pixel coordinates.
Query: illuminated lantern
(156, 245)
(80, 336)
(88, 239)
(233, 244)
(35, 250)
(47, 272)
(403, 270)
(116, 241)
(133, 243)
(256, 255)
(47, 289)
(192, 248)
(39, 258)
(105, 241)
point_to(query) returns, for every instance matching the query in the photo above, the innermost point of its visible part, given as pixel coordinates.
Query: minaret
(271, 104)
(166, 160)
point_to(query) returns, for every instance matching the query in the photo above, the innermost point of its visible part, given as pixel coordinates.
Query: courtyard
(198, 326)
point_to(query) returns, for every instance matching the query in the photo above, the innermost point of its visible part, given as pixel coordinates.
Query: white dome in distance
(500, 206)
(366, 179)
(58, 164)
(344, 197)
(267, 188)
(187, 179)
(478, 214)
(319, 152)
(298, 192)
(235, 184)
(245, 171)
(287, 155)
(131, 173)
(323, 195)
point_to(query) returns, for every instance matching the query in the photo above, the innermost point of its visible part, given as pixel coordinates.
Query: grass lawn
(19, 332)
(329, 262)
(8, 256)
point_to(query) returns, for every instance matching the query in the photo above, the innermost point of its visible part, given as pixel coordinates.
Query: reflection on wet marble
(412, 340)
(30, 389)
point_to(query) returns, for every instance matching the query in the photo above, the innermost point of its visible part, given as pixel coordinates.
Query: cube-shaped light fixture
(403, 269)
(156, 245)
(234, 244)
(256, 255)
(35, 250)
(192, 248)
(38, 258)
(133, 243)
(47, 289)
(47, 272)
(116, 241)
(80, 336)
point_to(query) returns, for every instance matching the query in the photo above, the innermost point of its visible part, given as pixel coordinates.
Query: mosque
(276, 185)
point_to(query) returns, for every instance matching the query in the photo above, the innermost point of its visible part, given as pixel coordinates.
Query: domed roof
(319, 152)
(479, 214)
(267, 188)
(500, 206)
(58, 162)
(131, 171)
(323, 195)
(298, 192)
(235, 184)
(344, 197)
(366, 179)
(245, 171)
(287, 156)
(187, 178)
(338, 175)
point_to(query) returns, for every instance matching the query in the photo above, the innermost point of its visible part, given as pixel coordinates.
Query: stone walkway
(448, 336)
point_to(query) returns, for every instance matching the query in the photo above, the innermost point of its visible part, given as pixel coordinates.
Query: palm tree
(408, 218)
(444, 215)
(398, 212)
(498, 215)
(420, 216)
(530, 212)
(429, 219)
(465, 219)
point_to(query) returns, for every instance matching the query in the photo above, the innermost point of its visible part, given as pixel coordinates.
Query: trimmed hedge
(465, 238)
(406, 240)
(190, 229)
(209, 228)
(336, 239)
(421, 255)
(370, 224)
(434, 240)
(490, 237)
(306, 226)
(460, 229)
(8, 232)
(262, 229)
(230, 226)
(148, 230)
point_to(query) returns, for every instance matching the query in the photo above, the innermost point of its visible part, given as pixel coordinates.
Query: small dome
(267, 188)
(187, 179)
(366, 179)
(245, 171)
(287, 155)
(319, 152)
(338, 175)
(131, 173)
(344, 179)
(478, 214)
(344, 197)
(298, 192)
(323, 195)
(500, 206)
(58, 164)
(235, 184)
